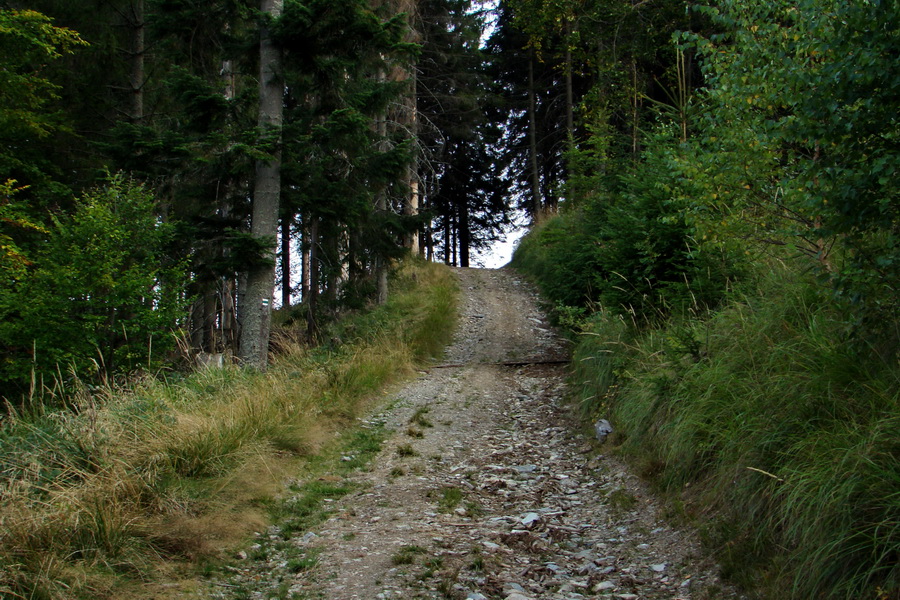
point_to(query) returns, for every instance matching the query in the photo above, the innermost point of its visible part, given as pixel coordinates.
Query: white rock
(530, 519)
(602, 429)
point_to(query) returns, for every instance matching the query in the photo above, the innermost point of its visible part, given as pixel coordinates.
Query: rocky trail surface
(486, 488)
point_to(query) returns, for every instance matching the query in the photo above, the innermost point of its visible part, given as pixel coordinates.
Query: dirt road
(486, 488)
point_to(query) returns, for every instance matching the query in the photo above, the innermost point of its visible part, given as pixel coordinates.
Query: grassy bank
(149, 482)
(762, 421)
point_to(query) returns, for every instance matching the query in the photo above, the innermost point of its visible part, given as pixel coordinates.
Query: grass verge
(131, 485)
(779, 433)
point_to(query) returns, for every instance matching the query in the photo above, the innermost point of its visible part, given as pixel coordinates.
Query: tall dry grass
(125, 480)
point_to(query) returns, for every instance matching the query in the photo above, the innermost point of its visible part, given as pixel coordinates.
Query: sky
(501, 252)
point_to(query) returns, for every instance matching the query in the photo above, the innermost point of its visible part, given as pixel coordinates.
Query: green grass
(406, 555)
(183, 468)
(771, 424)
(303, 563)
(449, 499)
(419, 418)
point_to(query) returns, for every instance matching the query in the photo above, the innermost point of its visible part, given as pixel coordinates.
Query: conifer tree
(465, 191)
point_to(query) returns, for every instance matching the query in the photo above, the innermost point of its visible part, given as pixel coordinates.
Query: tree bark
(636, 100)
(411, 206)
(570, 95)
(381, 207)
(210, 341)
(312, 302)
(257, 309)
(411, 118)
(532, 142)
(136, 110)
(454, 232)
(286, 261)
(305, 248)
(331, 249)
(464, 233)
(229, 328)
(448, 239)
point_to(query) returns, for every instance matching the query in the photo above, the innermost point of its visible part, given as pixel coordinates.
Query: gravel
(504, 497)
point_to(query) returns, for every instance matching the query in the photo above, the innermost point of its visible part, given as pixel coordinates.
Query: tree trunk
(381, 207)
(210, 309)
(312, 303)
(427, 233)
(257, 310)
(229, 328)
(411, 118)
(411, 206)
(464, 234)
(331, 249)
(454, 231)
(197, 323)
(305, 248)
(136, 110)
(286, 261)
(448, 239)
(635, 123)
(570, 96)
(355, 269)
(532, 142)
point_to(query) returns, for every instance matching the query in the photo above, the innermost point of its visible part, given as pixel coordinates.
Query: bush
(100, 297)
(631, 249)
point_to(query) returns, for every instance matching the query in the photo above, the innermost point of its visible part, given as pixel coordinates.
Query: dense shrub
(632, 248)
(100, 295)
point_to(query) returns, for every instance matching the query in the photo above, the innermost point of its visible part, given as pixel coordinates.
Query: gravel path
(487, 490)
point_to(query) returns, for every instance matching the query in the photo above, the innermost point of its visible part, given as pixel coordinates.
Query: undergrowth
(776, 430)
(123, 481)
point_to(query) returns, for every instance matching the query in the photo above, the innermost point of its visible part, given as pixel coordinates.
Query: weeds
(304, 563)
(419, 418)
(450, 498)
(406, 451)
(406, 555)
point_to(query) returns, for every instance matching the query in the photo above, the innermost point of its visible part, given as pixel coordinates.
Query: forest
(712, 196)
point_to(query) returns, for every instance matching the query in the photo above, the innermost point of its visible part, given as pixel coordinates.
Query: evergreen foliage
(100, 496)
(631, 247)
(458, 104)
(163, 93)
(721, 182)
